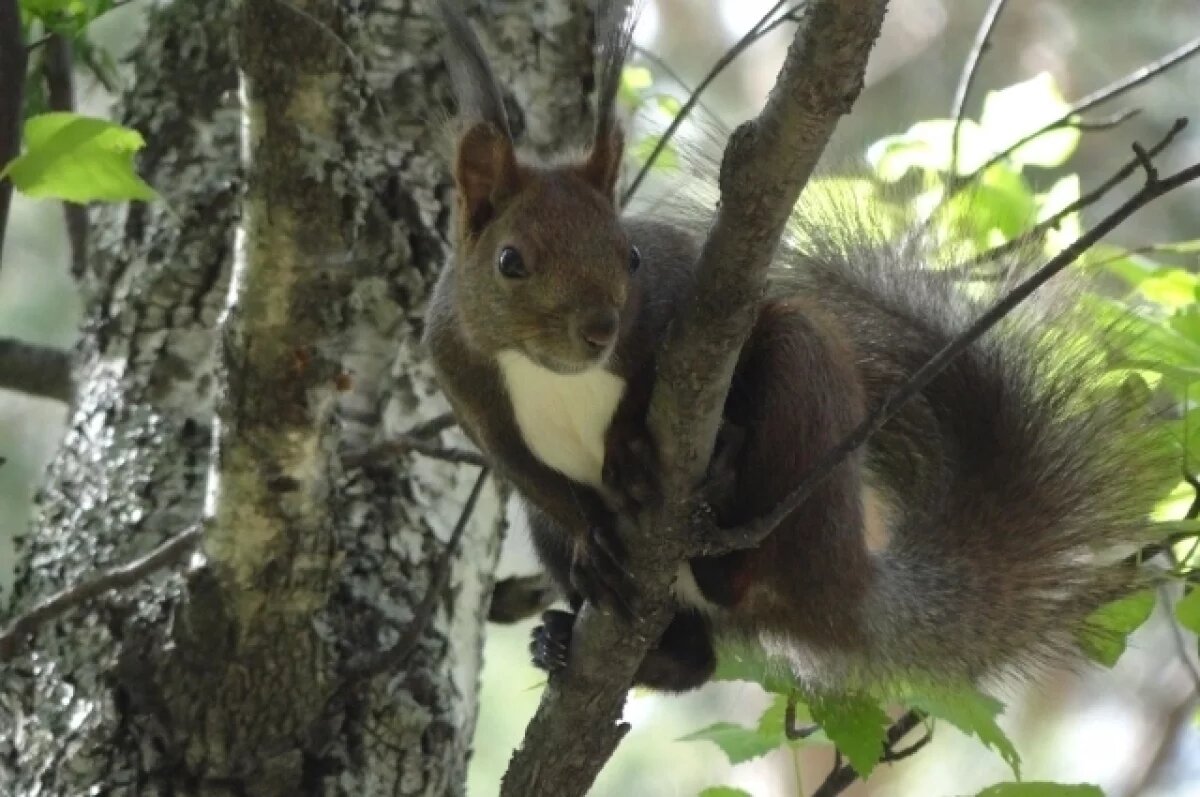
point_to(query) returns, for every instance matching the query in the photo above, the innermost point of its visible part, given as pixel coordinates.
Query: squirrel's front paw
(631, 466)
(598, 569)
(551, 641)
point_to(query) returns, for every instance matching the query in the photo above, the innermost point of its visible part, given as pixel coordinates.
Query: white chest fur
(562, 418)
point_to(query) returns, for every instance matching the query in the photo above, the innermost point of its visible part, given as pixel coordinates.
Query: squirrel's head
(543, 265)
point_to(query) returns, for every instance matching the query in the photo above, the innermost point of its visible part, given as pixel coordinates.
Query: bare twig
(760, 29)
(169, 553)
(36, 370)
(766, 164)
(57, 67)
(843, 776)
(428, 448)
(1035, 232)
(754, 532)
(1109, 92)
(417, 441)
(13, 59)
(970, 69)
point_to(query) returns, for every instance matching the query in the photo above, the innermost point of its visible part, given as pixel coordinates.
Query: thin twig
(35, 370)
(1035, 232)
(843, 776)
(58, 68)
(983, 42)
(751, 534)
(417, 441)
(1109, 92)
(13, 59)
(166, 555)
(753, 35)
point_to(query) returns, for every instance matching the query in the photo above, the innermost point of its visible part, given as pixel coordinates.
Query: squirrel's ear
(604, 162)
(485, 172)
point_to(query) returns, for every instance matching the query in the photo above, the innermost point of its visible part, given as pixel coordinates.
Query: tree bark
(279, 286)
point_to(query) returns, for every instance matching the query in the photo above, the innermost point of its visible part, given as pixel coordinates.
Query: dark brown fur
(1002, 478)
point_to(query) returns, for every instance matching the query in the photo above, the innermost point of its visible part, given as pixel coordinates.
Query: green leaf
(756, 667)
(774, 721)
(78, 159)
(1187, 611)
(927, 146)
(737, 742)
(973, 713)
(634, 82)
(1023, 108)
(1173, 288)
(669, 105)
(1042, 789)
(1109, 627)
(644, 148)
(856, 724)
(724, 791)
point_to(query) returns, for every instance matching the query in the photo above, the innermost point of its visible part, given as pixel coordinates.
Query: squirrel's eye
(511, 264)
(635, 259)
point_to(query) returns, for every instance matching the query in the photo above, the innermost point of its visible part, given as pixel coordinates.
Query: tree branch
(970, 69)
(1109, 92)
(169, 553)
(58, 68)
(766, 164)
(13, 59)
(1095, 195)
(36, 370)
(725, 540)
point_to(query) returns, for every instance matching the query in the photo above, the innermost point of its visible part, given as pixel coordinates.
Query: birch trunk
(278, 287)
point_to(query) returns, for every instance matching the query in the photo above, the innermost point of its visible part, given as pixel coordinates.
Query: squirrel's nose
(599, 328)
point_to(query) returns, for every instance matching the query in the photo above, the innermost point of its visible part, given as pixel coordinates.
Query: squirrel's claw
(551, 640)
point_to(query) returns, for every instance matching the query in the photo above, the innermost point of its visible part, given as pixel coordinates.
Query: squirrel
(971, 537)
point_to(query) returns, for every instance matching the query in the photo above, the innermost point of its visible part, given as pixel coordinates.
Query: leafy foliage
(973, 713)
(724, 791)
(1111, 625)
(79, 159)
(856, 724)
(1042, 789)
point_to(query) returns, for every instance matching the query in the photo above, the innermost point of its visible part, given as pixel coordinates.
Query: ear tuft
(603, 165)
(485, 172)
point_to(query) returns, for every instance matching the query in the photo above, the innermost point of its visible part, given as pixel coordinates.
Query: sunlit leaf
(78, 159)
(1187, 611)
(973, 713)
(1042, 789)
(737, 742)
(724, 791)
(1109, 627)
(1014, 112)
(644, 148)
(927, 145)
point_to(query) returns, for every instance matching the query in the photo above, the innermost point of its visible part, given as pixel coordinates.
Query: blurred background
(1132, 730)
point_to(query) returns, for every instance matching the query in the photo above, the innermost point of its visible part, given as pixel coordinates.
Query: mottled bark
(328, 220)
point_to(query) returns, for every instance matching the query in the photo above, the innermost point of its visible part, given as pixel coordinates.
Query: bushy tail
(1018, 480)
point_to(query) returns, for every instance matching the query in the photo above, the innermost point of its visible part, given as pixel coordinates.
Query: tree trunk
(278, 286)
